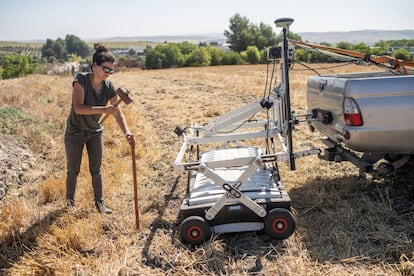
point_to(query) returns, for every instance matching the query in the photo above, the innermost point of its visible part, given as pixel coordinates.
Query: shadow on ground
(352, 218)
(18, 244)
(356, 217)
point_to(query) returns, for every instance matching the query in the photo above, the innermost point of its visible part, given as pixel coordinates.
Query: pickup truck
(365, 116)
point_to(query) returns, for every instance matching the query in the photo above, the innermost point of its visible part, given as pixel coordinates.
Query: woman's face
(104, 70)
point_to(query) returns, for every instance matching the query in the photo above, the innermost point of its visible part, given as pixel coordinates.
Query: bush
(252, 55)
(164, 56)
(231, 58)
(128, 62)
(401, 54)
(153, 58)
(216, 55)
(27, 128)
(15, 66)
(199, 57)
(173, 55)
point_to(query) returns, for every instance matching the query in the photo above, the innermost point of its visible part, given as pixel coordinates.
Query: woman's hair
(102, 54)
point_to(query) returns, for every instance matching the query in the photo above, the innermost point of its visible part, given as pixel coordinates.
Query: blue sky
(91, 19)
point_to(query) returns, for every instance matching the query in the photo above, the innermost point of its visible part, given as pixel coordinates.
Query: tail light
(352, 114)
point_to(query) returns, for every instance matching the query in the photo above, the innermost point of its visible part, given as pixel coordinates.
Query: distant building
(225, 47)
(136, 49)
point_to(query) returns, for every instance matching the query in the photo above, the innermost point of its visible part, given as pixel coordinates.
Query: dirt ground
(15, 159)
(347, 223)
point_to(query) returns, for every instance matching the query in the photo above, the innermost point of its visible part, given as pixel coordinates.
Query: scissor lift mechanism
(235, 188)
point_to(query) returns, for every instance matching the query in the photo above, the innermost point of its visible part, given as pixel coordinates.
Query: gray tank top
(78, 122)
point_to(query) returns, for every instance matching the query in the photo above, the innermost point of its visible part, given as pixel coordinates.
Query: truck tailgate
(385, 101)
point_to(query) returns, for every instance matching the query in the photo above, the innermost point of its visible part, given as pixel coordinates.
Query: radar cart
(232, 185)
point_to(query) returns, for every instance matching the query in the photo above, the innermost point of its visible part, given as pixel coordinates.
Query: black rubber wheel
(279, 223)
(393, 157)
(194, 230)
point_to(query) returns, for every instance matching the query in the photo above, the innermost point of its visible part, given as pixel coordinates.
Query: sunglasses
(107, 69)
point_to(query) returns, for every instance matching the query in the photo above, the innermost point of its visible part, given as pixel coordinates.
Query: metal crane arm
(396, 64)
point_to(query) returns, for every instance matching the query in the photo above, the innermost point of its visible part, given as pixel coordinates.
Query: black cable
(267, 79)
(271, 79)
(268, 98)
(308, 68)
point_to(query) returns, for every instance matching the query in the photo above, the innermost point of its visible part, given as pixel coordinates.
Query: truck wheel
(279, 223)
(195, 230)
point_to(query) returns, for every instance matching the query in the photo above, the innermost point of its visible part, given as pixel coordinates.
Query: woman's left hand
(130, 138)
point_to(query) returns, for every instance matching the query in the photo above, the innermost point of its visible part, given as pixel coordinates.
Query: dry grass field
(347, 224)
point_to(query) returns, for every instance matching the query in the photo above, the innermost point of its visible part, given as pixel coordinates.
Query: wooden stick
(134, 172)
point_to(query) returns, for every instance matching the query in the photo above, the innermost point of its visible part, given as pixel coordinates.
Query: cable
(267, 79)
(308, 68)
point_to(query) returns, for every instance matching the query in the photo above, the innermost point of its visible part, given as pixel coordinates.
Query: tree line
(63, 49)
(248, 44)
(72, 48)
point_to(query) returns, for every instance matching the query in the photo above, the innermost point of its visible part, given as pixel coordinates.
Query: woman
(91, 92)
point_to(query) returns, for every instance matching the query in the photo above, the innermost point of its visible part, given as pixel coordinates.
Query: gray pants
(74, 144)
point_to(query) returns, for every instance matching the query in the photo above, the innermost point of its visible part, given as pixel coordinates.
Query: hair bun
(102, 54)
(100, 48)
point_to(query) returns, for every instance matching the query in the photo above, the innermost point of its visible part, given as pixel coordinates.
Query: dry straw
(346, 224)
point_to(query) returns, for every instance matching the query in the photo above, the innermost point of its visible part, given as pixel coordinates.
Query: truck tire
(279, 223)
(194, 230)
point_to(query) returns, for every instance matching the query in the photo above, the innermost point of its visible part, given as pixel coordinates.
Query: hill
(169, 38)
(369, 37)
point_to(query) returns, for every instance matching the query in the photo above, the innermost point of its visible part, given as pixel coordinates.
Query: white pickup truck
(364, 116)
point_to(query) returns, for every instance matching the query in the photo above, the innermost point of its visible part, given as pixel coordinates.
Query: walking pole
(134, 173)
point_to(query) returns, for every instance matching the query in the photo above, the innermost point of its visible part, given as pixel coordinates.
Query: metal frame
(236, 126)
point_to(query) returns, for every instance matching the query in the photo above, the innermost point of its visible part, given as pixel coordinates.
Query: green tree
(401, 54)
(173, 55)
(74, 45)
(290, 35)
(54, 48)
(264, 36)
(239, 35)
(169, 55)
(186, 47)
(59, 47)
(152, 57)
(362, 48)
(242, 34)
(15, 66)
(344, 45)
(383, 47)
(47, 50)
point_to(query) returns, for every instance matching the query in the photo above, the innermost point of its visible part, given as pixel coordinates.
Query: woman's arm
(79, 106)
(120, 118)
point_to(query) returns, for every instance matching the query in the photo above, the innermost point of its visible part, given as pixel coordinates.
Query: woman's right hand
(109, 109)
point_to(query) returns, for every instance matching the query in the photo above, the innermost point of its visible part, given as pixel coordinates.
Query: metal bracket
(232, 191)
